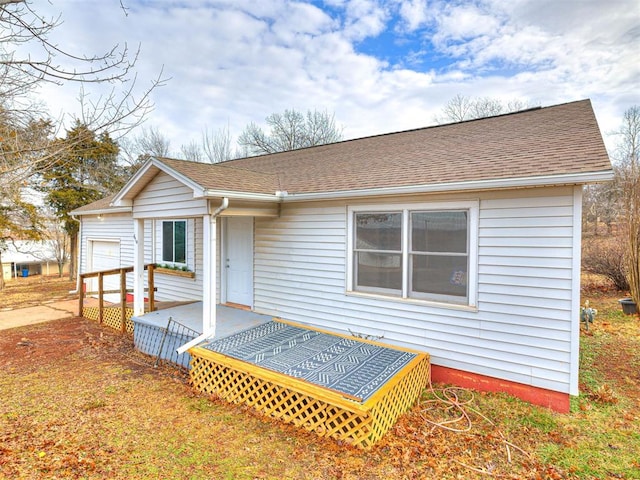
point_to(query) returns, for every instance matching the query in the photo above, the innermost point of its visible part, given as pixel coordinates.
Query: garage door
(105, 255)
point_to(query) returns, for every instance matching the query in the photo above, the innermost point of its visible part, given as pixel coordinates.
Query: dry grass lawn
(77, 401)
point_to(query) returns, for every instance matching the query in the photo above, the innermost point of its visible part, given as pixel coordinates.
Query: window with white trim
(423, 252)
(174, 241)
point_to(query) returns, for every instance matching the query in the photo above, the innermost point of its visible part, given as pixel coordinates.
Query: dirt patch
(35, 290)
(48, 342)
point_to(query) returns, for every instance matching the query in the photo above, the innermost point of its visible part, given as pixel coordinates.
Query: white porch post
(209, 275)
(138, 266)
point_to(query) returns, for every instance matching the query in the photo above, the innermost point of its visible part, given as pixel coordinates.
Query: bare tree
(29, 148)
(628, 157)
(116, 112)
(192, 151)
(58, 246)
(461, 108)
(136, 149)
(289, 131)
(217, 145)
(153, 142)
(600, 206)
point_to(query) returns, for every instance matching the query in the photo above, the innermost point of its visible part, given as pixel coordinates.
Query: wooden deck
(325, 411)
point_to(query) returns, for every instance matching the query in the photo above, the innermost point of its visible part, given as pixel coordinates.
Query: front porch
(334, 385)
(161, 332)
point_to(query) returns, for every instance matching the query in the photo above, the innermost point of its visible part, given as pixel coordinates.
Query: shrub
(606, 256)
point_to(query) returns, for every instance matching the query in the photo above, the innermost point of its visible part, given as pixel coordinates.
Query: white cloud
(464, 22)
(413, 13)
(233, 62)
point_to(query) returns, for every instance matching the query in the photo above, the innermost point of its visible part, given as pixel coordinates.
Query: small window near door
(174, 241)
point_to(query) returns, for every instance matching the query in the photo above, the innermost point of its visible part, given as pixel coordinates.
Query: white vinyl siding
(522, 328)
(163, 197)
(166, 197)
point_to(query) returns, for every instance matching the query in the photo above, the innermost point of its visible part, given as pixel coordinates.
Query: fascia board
(262, 197)
(494, 184)
(101, 211)
(118, 200)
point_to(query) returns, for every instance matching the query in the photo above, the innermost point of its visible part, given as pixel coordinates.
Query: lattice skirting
(323, 411)
(111, 317)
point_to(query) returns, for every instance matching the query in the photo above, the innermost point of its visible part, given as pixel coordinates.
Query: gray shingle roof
(98, 205)
(558, 140)
(551, 141)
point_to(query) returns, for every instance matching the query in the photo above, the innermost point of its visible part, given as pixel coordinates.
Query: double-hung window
(174, 241)
(422, 252)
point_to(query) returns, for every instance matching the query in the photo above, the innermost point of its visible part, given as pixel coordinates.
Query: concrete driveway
(20, 317)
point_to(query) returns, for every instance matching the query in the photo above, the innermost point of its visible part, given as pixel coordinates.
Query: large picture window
(423, 252)
(174, 241)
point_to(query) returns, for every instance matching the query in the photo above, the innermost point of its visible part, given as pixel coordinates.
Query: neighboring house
(24, 258)
(460, 240)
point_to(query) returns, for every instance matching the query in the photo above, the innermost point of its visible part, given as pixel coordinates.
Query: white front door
(238, 260)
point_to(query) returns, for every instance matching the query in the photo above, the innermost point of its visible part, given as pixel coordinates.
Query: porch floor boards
(320, 409)
(229, 320)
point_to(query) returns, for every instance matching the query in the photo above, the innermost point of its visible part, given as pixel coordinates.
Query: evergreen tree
(85, 170)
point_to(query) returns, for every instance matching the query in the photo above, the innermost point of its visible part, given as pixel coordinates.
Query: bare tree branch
(461, 108)
(291, 130)
(217, 145)
(192, 151)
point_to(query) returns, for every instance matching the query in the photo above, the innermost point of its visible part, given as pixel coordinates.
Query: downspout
(223, 206)
(205, 335)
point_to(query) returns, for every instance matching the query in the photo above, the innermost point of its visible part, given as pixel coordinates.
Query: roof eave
(237, 195)
(101, 211)
(493, 184)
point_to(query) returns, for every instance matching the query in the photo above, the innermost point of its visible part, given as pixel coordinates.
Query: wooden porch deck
(356, 418)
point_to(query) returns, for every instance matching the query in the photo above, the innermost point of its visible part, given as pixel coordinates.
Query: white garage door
(105, 255)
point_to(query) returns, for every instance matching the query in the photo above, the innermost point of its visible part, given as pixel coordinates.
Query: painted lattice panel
(361, 425)
(396, 401)
(111, 317)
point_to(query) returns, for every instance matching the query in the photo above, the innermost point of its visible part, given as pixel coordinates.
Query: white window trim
(186, 241)
(472, 206)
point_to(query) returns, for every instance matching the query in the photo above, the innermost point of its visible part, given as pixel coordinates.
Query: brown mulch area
(26, 347)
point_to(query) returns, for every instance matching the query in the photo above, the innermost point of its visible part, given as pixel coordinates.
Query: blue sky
(380, 66)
